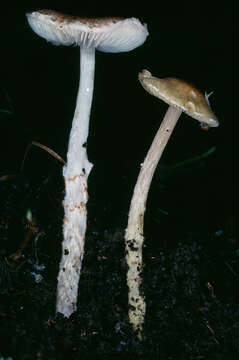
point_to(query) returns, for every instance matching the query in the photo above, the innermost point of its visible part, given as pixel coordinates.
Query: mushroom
(181, 97)
(107, 35)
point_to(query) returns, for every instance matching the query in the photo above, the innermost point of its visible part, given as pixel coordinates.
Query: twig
(231, 269)
(36, 143)
(50, 151)
(31, 230)
(210, 288)
(206, 323)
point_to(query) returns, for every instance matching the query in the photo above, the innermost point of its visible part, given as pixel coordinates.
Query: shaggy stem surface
(76, 172)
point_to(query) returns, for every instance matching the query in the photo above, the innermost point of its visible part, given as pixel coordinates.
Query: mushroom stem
(134, 237)
(76, 172)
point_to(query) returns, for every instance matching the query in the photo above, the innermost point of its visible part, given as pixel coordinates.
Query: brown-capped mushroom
(108, 35)
(181, 97)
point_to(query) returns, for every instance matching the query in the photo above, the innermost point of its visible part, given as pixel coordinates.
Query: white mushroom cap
(180, 94)
(105, 34)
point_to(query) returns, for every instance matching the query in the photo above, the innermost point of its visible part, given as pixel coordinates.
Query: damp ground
(190, 281)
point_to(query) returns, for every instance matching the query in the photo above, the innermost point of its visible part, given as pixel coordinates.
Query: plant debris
(189, 284)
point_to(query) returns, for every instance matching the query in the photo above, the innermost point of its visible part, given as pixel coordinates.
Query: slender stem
(134, 233)
(76, 155)
(76, 173)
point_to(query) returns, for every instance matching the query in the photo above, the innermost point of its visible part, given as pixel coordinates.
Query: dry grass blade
(206, 323)
(7, 177)
(44, 147)
(36, 143)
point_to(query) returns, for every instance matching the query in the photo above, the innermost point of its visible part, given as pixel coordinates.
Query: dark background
(39, 84)
(190, 277)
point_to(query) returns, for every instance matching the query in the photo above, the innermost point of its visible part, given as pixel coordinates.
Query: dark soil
(191, 253)
(189, 281)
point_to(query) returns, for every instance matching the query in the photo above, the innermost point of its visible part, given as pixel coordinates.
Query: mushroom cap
(180, 94)
(105, 34)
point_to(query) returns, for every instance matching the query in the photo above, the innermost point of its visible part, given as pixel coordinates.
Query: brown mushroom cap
(105, 34)
(181, 94)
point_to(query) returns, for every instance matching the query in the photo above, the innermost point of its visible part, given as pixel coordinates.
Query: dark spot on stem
(131, 245)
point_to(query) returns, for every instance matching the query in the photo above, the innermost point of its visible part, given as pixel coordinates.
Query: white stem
(75, 173)
(134, 235)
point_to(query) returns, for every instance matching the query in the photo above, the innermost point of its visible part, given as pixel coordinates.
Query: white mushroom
(180, 96)
(107, 35)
